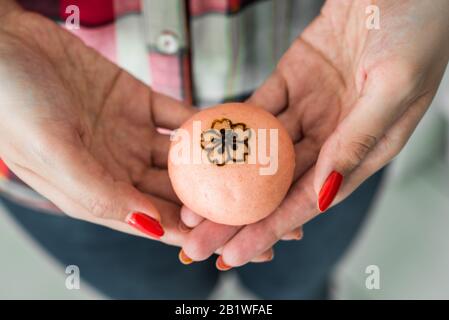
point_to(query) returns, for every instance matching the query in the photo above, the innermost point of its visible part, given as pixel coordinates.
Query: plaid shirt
(200, 51)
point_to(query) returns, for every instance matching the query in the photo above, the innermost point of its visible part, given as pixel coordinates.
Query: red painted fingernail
(271, 257)
(145, 224)
(4, 171)
(329, 190)
(221, 265)
(185, 259)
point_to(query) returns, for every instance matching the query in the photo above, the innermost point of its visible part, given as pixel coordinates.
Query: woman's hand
(350, 98)
(82, 132)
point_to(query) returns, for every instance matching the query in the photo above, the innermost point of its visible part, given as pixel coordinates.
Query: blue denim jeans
(127, 267)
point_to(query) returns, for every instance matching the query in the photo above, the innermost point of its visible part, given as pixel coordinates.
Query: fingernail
(294, 235)
(299, 236)
(182, 227)
(185, 259)
(145, 224)
(221, 265)
(4, 171)
(329, 190)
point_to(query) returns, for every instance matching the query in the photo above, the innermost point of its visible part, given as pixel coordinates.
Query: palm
(323, 72)
(301, 92)
(121, 135)
(96, 106)
(314, 103)
(336, 63)
(314, 86)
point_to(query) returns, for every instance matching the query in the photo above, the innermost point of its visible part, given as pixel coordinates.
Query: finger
(157, 182)
(73, 209)
(306, 153)
(264, 257)
(164, 131)
(272, 95)
(36, 182)
(206, 238)
(354, 138)
(168, 112)
(190, 218)
(68, 166)
(170, 221)
(296, 234)
(291, 123)
(297, 208)
(387, 148)
(183, 227)
(3, 169)
(160, 147)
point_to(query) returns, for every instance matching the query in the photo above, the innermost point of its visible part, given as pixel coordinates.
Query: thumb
(354, 138)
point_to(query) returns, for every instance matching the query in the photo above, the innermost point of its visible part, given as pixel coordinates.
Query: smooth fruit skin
(234, 194)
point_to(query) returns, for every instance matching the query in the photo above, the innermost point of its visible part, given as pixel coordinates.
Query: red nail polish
(4, 171)
(329, 190)
(145, 224)
(221, 265)
(185, 259)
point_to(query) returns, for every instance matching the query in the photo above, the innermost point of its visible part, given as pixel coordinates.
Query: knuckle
(358, 148)
(242, 252)
(276, 231)
(270, 231)
(197, 249)
(234, 256)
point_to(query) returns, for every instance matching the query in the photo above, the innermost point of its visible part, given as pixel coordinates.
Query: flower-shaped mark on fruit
(226, 142)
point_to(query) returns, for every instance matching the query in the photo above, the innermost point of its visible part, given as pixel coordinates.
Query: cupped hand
(350, 98)
(83, 132)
